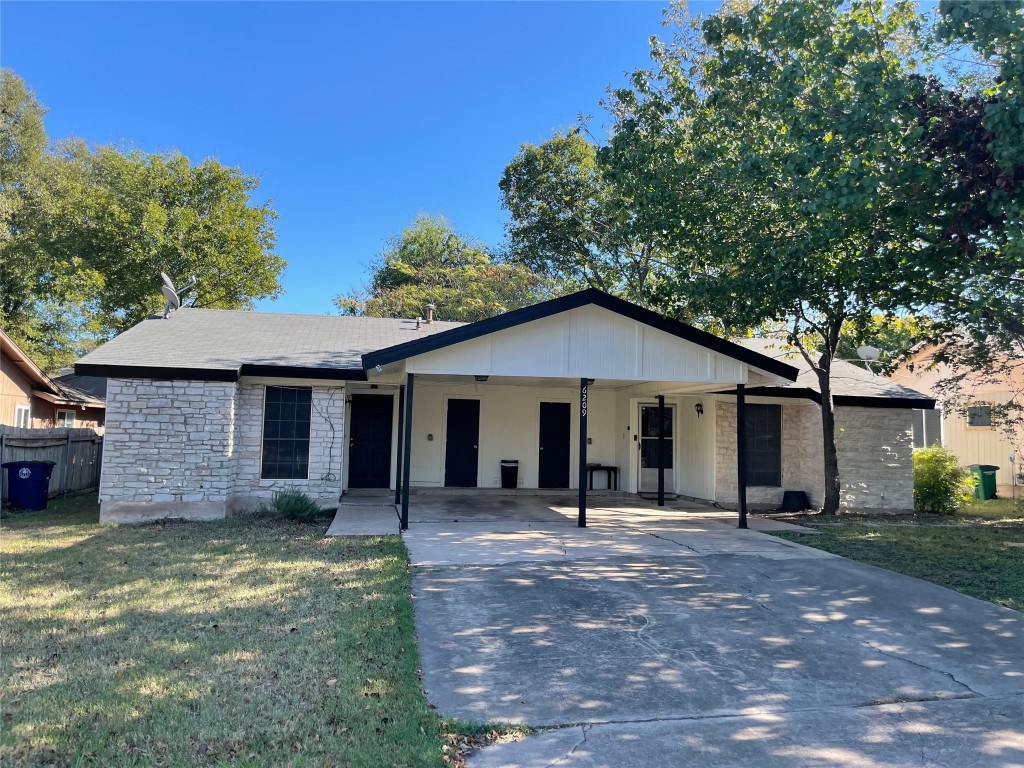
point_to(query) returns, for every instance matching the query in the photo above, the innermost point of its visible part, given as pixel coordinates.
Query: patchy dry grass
(242, 642)
(972, 552)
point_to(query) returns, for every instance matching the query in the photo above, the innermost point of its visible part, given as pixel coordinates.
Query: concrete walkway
(667, 638)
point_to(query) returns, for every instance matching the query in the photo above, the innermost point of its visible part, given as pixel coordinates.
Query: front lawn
(971, 552)
(243, 642)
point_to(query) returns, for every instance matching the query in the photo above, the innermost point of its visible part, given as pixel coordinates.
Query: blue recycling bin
(28, 483)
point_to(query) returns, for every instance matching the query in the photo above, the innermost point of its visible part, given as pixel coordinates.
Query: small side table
(612, 473)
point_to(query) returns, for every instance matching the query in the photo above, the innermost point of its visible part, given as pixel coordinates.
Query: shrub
(940, 483)
(293, 504)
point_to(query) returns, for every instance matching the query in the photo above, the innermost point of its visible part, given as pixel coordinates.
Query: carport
(611, 371)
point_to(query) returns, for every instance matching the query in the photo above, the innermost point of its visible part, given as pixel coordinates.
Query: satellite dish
(868, 354)
(173, 294)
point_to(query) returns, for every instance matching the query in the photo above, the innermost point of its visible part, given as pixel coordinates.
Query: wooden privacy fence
(77, 455)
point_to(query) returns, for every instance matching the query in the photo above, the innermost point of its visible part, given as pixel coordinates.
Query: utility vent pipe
(430, 313)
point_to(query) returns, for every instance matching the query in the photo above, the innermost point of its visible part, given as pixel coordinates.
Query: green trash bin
(986, 474)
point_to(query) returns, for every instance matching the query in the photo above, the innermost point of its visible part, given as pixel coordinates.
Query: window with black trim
(65, 418)
(286, 416)
(979, 415)
(764, 445)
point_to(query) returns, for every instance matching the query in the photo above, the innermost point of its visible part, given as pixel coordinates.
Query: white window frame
(23, 416)
(62, 412)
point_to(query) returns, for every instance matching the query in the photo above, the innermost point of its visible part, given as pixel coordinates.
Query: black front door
(462, 443)
(369, 463)
(554, 445)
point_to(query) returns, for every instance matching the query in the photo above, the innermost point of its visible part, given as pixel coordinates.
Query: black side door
(369, 463)
(553, 463)
(462, 443)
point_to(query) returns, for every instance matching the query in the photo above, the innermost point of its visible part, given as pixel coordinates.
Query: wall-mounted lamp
(430, 438)
(481, 378)
(378, 369)
(590, 381)
(699, 408)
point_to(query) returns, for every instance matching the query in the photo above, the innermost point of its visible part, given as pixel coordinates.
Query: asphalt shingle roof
(848, 380)
(224, 340)
(218, 339)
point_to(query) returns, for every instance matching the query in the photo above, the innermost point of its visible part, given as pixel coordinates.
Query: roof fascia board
(154, 372)
(848, 401)
(575, 301)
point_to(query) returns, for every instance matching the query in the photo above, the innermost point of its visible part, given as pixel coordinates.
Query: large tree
(792, 175)
(568, 221)
(87, 231)
(431, 263)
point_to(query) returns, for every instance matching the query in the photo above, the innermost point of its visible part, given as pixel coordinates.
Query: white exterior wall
(588, 342)
(509, 429)
(168, 449)
(874, 447)
(327, 441)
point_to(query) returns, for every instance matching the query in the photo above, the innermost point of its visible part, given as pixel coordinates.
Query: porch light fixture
(481, 378)
(699, 408)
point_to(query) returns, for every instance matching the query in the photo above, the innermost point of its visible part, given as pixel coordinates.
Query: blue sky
(356, 116)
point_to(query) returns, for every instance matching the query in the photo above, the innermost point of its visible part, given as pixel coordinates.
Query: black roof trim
(849, 401)
(298, 372)
(153, 372)
(575, 301)
(218, 374)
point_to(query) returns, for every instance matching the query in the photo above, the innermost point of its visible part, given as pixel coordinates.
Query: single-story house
(31, 399)
(976, 436)
(212, 410)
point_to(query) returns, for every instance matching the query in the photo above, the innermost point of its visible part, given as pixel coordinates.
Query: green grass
(249, 642)
(968, 552)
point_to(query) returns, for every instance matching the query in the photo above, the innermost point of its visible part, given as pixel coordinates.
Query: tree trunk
(828, 436)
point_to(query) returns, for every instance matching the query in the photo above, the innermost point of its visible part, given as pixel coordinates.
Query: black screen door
(369, 464)
(462, 443)
(553, 463)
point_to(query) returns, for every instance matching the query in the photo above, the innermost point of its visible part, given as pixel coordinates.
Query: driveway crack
(873, 647)
(575, 746)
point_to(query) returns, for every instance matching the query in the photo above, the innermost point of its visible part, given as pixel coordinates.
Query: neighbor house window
(979, 416)
(65, 418)
(286, 415)
(22, 416)
(764, 445)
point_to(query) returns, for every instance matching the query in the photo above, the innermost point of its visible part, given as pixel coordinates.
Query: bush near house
(293, 504)
(940, 484)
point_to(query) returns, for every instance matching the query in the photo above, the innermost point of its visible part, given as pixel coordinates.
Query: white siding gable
(590, 342)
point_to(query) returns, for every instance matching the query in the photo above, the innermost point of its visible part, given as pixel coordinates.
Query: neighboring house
(31, 399)
(975, 437)
(213, 410)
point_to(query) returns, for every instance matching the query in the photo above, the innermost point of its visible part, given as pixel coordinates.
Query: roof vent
(430, 313)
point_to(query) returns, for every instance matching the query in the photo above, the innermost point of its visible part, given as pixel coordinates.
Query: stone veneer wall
(168, 449)
(326, 448)
(875, 461)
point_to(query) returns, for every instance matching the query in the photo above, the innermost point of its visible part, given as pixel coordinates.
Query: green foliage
(940, 483)
(87, 231)
(432, 263)
(293, 504)
(894, 336)
(568, 222)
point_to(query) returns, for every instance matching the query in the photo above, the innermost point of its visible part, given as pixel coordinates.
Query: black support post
(401, 456)
(582, 520)
(661, 450)
(741, 452)
(407, 448)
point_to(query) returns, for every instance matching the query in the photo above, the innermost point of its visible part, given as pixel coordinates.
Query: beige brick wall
(874, 446)
(326, 448)
(168, 449)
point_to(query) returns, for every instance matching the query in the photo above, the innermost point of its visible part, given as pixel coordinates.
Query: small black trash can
(509, 473)
(794, 501)
(28, 483)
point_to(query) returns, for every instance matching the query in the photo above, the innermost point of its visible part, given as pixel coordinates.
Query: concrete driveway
(658, 638)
